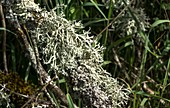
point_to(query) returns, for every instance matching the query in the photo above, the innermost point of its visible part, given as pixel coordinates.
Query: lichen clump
(69, 51)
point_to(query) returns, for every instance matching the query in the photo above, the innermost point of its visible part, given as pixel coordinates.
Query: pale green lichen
(5, 101)
(130, 18)
(69, 51)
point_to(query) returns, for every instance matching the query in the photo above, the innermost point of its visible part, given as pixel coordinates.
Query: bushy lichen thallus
(73, 54)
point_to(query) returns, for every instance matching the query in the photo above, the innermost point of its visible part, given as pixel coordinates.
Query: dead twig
(4, 37)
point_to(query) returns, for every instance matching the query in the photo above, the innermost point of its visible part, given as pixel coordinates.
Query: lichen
(68, 50)
(5, 101)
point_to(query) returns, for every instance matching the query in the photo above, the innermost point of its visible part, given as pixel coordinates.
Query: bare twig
(4, 37)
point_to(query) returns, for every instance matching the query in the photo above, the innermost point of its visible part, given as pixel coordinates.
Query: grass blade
(97, 7)
(70, 101)
(156, 23)
(166, 76)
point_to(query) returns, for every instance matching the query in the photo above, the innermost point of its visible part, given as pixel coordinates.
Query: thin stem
(4, 38)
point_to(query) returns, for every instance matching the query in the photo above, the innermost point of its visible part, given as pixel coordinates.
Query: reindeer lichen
(69, 51)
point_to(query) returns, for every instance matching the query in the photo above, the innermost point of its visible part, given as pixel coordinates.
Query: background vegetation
(136, 37)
